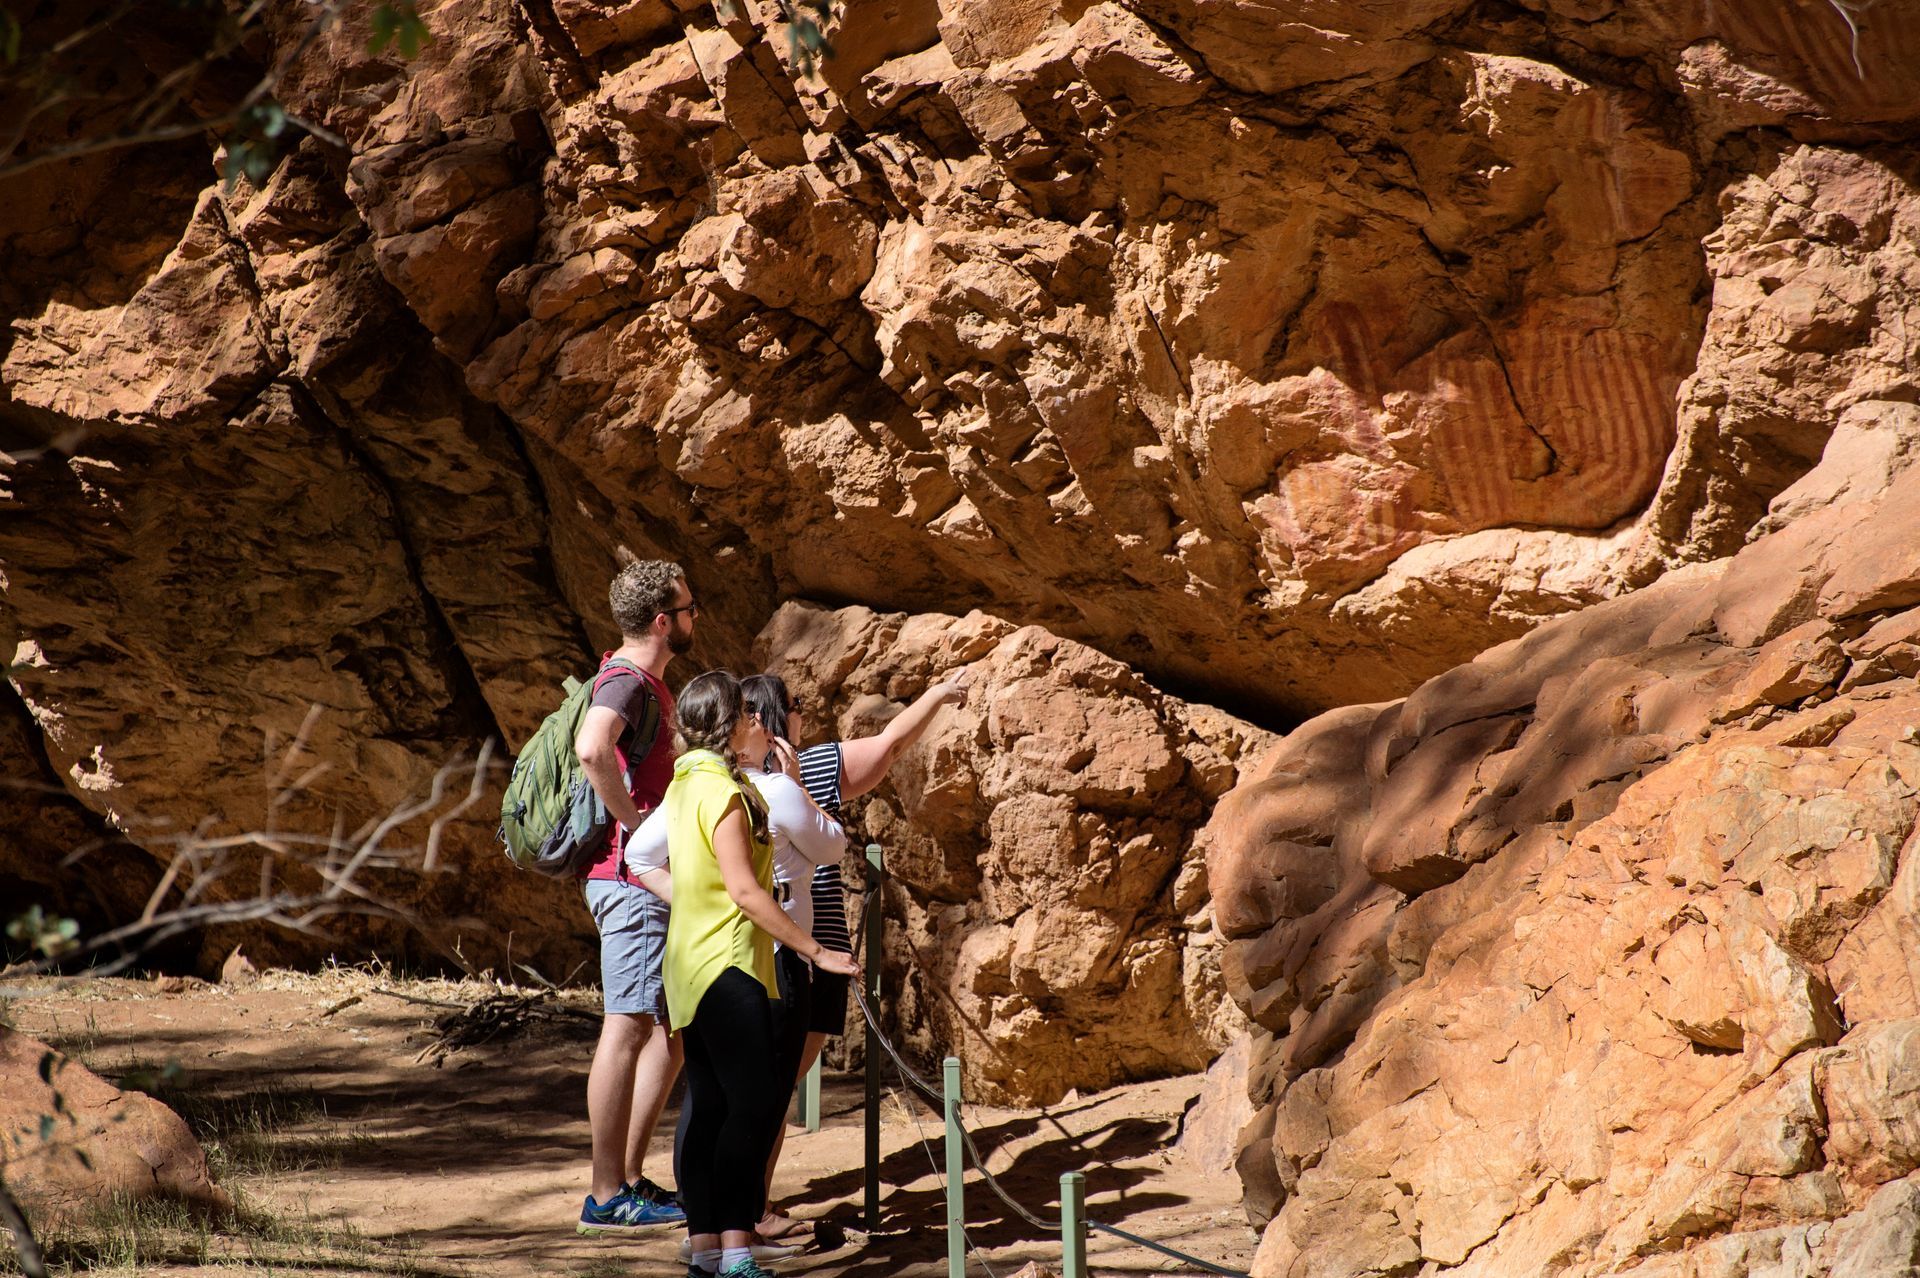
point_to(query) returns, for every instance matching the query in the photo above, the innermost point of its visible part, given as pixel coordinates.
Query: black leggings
(792, 1015)
(735, 1102)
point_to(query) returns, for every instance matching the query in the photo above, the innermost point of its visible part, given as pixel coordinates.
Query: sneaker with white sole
(625, 1212)
(761, 1251)
(748, 1268)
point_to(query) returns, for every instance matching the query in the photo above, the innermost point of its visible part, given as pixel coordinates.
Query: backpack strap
(649, 717)
(648, 728)
(644, 732)
(617, 665)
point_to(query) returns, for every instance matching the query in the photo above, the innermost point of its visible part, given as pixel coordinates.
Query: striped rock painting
(1615, 179)
(1861, 69)
(1342, 509)
(1554, 424)
(1558, 427)
(1341, 520)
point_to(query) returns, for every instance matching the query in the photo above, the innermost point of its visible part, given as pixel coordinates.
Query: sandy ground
(477, 1167)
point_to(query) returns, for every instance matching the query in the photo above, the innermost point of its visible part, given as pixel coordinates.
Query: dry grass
(125, 1236)
(250, 1138)
(265, 1132)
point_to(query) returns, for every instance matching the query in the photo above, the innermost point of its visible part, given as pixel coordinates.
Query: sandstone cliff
(1051, 897)
(1595, 954)
(1282, 355)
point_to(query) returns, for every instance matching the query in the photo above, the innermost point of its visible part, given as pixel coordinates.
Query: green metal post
(875, 960)
(1073, 1225)
(956, 1176)
(810, 1097)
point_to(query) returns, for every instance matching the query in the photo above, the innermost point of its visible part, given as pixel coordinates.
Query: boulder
(74, 1140)
(1052, 903)
(1210, 1130)
(1634, 990)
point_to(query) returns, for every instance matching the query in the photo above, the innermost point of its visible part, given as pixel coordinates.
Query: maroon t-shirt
(625, 693)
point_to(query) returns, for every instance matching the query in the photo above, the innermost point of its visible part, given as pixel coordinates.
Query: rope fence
(1072, 1224)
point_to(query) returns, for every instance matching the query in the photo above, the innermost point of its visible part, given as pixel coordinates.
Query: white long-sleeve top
(803, 837)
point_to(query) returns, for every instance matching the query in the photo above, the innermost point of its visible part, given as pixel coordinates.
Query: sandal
(775, 1228)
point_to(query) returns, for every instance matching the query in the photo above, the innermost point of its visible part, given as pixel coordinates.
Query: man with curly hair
(636, 1060)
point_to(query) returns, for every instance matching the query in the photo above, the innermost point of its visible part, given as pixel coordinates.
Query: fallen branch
(33, 1261)
(495, 1016)
(423, 1002)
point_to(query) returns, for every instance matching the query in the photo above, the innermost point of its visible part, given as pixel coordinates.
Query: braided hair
(710, 707)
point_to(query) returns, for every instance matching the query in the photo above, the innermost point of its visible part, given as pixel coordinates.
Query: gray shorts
(633, 946)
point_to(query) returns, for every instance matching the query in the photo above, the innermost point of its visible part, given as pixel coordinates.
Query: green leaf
(397, 23)
(46, 1127)
(26, 925)
(253, 160)
(237, 150)
(50, 934)
(384, 26)
(9, 38)
(413, 33)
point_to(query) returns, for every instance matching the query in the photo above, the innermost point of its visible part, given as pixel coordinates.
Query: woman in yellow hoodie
(719, 974)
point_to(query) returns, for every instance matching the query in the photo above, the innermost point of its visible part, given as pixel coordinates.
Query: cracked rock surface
(1048, 886)
(1285, 356)
(76, 1138)
(1593, 955)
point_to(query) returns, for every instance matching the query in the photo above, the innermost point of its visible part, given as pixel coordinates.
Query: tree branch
(165, 97)
(33, 1261)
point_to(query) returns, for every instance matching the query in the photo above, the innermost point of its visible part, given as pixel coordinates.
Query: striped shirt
(820, 773)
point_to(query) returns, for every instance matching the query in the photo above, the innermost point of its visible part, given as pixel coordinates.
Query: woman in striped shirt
(833, 772)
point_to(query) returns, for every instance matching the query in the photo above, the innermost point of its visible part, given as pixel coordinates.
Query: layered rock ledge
(1594, 954)
(1286, 357)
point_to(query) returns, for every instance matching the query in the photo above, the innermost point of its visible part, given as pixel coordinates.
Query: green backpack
(550, 818)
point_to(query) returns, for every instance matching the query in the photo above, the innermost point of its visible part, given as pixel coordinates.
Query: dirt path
(478, 1167)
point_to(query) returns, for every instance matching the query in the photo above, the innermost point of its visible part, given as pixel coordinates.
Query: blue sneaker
(624, 1212)
(658, 1194)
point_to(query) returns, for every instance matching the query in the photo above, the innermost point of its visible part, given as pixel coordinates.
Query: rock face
(94, 1141)
(59, 854)
(1052, 900)
(1174, 333)
(240, 599)
(1286, 355)
(1585, 957)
